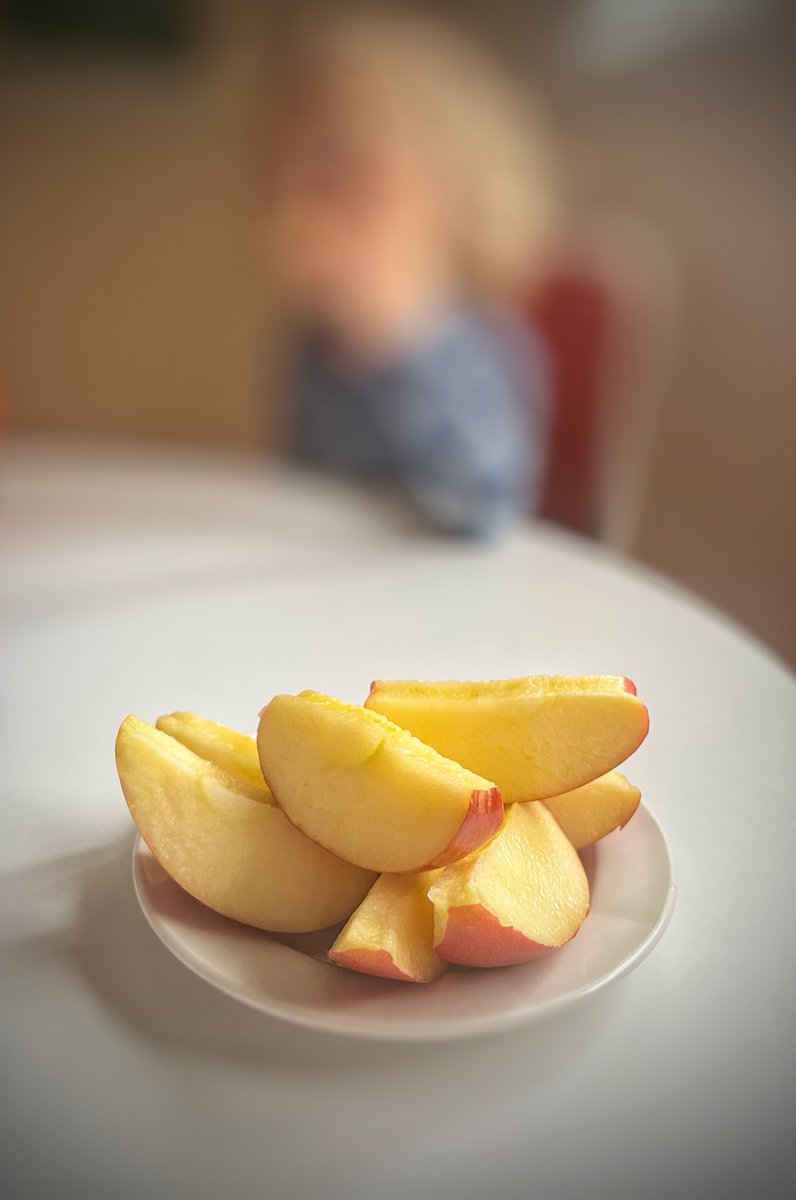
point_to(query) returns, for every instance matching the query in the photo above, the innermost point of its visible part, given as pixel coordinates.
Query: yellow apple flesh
(535, 737)
(367, 790)
(214, 835)
(589, 813)
(391, 934)
(524, 895)
(234, 752)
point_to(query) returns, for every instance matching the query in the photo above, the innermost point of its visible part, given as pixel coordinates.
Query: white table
(141, 583)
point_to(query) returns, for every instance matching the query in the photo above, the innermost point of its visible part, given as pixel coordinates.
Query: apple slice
(536, 737)
(525, 894)
(367, 790)
(220, 842)
(392, 932)
(234, 752)
(588, 813)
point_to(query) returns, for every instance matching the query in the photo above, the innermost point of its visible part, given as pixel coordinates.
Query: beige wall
(131, 304)
(703, 150)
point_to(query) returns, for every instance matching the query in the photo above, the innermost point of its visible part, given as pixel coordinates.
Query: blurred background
(133, 307)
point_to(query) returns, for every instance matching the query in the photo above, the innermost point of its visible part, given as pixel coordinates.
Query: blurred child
(406, 200)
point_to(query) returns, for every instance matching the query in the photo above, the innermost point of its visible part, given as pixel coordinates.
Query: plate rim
(421, 1030)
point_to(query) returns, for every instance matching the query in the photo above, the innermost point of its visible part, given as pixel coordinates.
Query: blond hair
(477, 129)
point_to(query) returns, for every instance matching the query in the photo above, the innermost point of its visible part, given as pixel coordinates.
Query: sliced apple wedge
(214, 835)
(535, 737)
(589, 813)
(524, 895)
(367, 790)
(233, 752)
(392, 932)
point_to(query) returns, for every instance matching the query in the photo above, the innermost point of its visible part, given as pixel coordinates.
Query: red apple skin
(474, 937)
(631, 688)
(482, 820)
(370, 962)
(646, 727)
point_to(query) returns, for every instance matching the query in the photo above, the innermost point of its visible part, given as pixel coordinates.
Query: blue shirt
(459, 422)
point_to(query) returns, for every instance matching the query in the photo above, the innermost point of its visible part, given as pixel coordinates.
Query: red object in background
(574, 315)
(609, 313)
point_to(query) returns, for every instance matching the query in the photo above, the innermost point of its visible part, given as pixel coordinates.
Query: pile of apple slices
(441, 821)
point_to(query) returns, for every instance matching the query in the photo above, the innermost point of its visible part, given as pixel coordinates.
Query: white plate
(632, 886)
